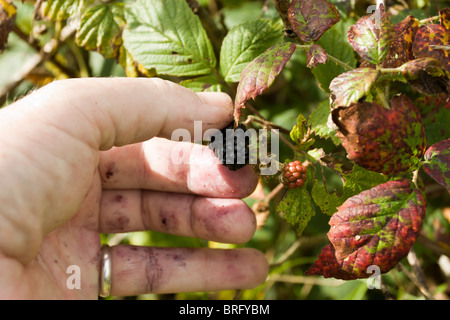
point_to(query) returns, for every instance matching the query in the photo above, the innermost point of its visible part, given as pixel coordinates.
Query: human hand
(89, 156)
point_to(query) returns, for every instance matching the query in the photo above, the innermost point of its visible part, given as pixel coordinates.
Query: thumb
(109, 112)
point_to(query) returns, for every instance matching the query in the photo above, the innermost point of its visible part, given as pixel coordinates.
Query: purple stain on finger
(118, 222)
(169, 220)
(110, 170)
(109, 173)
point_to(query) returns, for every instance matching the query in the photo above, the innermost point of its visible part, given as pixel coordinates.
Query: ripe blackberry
(294, 175)
(231, 146)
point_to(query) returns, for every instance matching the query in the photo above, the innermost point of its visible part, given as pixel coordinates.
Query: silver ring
(105, 271)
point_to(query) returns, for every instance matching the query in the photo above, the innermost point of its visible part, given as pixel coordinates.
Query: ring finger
(138, 270)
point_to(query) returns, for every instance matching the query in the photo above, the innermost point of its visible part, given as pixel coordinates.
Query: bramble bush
(356, 93)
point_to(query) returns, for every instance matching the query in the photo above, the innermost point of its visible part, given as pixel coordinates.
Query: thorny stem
(303, 241)
(339, 62)
(33, 44)
(438, 248)
(215, 34)
(82, 66)
(431, 19)
(417, 270)
(266, 123)
(415, 177)
(256, 112)
(261, 208)
(285, 141)
(282, 7)
(270, 125)
(391, 70)
(304, 280)
(274, 192)
(427, 294)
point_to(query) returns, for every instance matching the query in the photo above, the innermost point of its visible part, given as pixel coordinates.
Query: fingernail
(217, 99)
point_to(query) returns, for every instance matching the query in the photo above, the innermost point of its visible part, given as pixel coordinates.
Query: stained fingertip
(257, 265)
(223, 220)
(207, 176)
(217, 99)
(242, 182)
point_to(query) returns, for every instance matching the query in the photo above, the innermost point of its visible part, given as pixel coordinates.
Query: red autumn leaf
(386, 141)
(438, 163)
(376, 227)
(259, 74)
(371, 36)
(315, 55)
(401, 49)
(444, 17)
(426, 75)
(7, 17)
(310, 19)
(327, 266)
(430, 42)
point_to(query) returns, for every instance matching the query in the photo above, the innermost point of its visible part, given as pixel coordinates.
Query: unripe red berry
(294, 175)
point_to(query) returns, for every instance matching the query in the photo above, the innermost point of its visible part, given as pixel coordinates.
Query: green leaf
(335, 43)
(244, 43)
(300, 133)
(168, 36)
(259, 74)
(58, 10)
(371, 36)
(327, 202)
(101, 29)
(360, 179)
(318, 121)
(354, 182)
(297, 208)
(208, 83)
(351, 86)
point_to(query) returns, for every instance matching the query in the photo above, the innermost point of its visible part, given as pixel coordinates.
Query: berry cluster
(294, 175)
(231, 146)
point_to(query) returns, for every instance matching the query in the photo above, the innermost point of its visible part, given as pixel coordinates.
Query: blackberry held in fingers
(231, 146)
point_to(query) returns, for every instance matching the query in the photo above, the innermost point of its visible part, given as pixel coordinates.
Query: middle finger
(215, 219)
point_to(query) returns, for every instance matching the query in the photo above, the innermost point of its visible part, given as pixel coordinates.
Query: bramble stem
(431, 19)
(390, 70)
(344, 65)
(340, 62)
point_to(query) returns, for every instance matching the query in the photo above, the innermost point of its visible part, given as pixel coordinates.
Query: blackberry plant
(360, 95)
